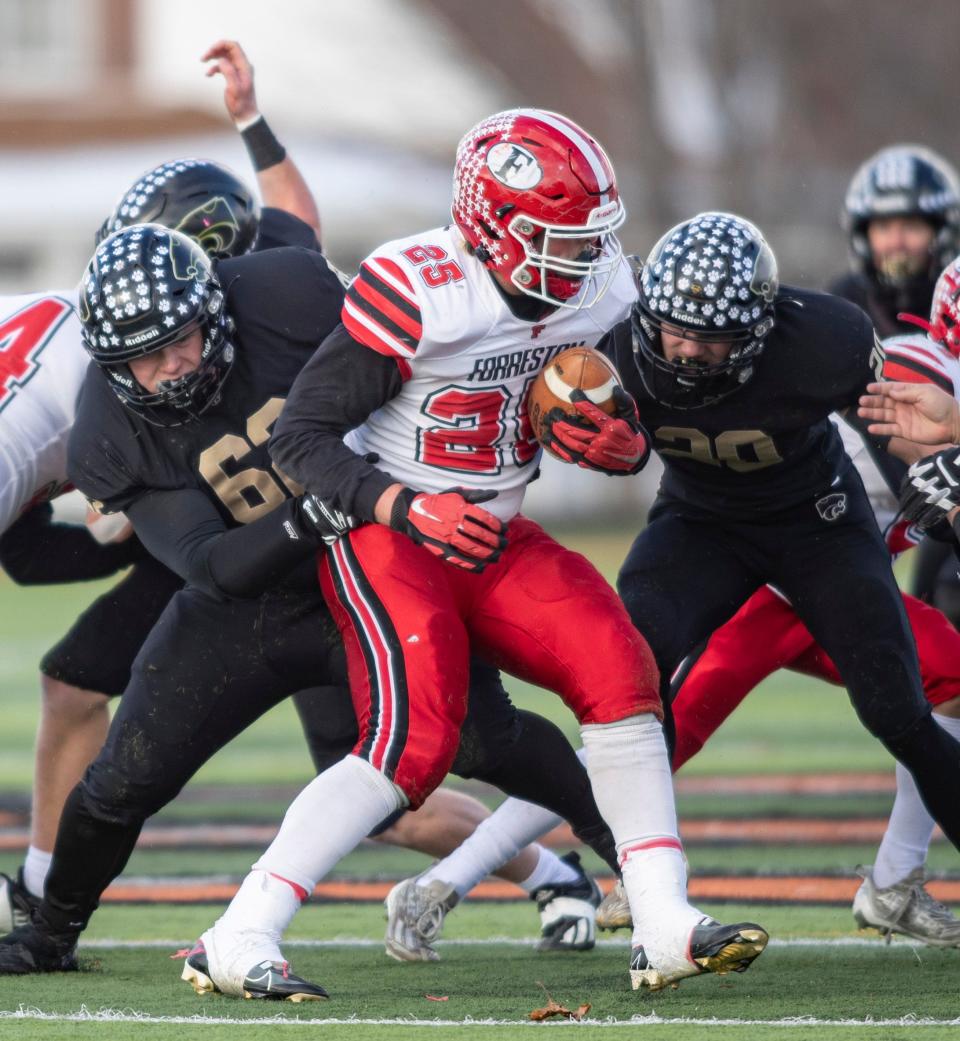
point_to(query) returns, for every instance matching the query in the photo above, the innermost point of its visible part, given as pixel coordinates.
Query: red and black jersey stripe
(381, 309)
(913, 368)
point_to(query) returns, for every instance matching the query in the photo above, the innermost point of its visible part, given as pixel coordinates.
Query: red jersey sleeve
(908, 361)
(381, 309)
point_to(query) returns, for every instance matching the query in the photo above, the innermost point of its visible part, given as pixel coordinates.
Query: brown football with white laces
(579, 368)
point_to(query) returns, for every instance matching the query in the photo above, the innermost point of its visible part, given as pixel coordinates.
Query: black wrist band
(400, 509)
(262, 146)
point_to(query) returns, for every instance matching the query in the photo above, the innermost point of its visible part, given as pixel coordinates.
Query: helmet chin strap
(563, 288)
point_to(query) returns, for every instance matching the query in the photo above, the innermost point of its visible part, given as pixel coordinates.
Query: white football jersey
(42, 367)
(467, 362)
(910, 358)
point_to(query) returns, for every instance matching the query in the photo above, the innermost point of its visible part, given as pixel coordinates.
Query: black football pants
(206, 672)
(689, 572)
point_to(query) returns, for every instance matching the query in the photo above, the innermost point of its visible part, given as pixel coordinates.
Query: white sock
(330, 817)
(550, 871)
(35, 868)
(264, 905)
(513, 825)
(907, 839)
(632, 783)
(497, 839)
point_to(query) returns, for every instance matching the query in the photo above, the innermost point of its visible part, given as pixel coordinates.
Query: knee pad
(109, 794)
(890, 701)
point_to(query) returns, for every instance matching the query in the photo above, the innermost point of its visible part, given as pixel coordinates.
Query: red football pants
(766, 635)
(409, 622)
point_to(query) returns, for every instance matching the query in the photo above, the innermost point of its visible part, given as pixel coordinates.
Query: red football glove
(615, 444)
(450, 525)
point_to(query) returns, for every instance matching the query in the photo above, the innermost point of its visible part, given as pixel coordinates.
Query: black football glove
(614, 445)
(931, 488)
(451, 525)
(319, 521)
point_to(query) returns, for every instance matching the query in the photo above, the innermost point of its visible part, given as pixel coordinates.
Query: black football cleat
(266, 980)
(271, 979)
(34, 948)
(712, 947)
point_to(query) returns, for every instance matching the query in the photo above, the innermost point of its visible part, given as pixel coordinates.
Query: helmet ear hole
(491, 233)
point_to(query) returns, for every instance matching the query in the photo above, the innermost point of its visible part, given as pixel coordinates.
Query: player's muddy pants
(690, 571)
(409, 622)
(766, 635)
(207, 671)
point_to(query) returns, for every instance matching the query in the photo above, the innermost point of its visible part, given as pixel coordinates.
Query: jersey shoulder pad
(915, 358)
(282, 228)
(102, 451)
(382, 309)
(424, 288)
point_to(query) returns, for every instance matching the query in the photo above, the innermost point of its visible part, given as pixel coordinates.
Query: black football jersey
(884, 305)
(283, 302)
(280, 228)
(769, 445)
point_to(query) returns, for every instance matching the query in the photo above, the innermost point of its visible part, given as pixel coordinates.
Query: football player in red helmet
(411, 417)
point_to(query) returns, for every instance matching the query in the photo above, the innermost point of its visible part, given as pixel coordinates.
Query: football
(577, 368)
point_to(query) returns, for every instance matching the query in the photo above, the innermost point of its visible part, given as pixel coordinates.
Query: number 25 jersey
(467, 363)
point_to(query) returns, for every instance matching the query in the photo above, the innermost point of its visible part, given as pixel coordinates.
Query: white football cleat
(16, 903)
(906, 908)
(710, 947)
(415, 917)
(243, 972)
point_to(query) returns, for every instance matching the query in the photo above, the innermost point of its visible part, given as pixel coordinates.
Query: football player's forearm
(37, 551)
(283, 187)
(320, 461)
(247, 561)
(909, 451)
(342, 384)
(184, 531)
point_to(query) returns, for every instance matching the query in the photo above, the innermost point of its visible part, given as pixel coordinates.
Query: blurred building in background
(757, 107)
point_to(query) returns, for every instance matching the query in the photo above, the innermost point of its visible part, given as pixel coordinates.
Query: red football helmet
(944, 324)
(945, 309)
(527, 183)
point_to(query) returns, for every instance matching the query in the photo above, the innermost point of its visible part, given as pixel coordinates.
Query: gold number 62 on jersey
(250, 493)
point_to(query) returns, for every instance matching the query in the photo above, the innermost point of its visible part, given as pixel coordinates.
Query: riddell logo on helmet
(514, 166)
(688, 318)
(148, 334)
(602, 214)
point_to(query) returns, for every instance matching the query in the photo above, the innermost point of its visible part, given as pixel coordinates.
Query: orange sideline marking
(786, 889)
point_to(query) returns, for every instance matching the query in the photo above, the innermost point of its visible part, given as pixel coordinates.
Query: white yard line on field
(114, 1016)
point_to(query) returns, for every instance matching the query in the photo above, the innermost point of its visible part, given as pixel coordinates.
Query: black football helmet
(197, 197)
(145, 288)
(713, 277)
(903, 181)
